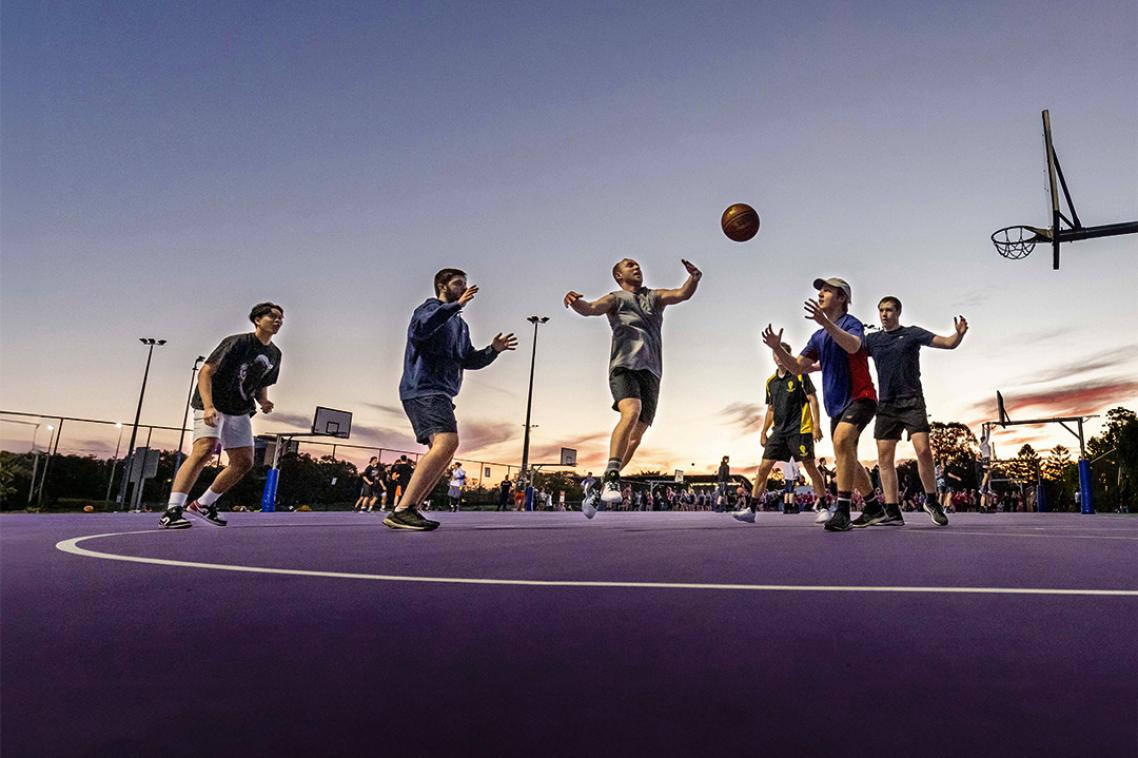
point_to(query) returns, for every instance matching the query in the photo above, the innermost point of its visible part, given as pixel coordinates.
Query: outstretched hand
(960, 324)
(770, 339)
(814, 312)
(467, 296)
(504, 342)
(692, 270)
(572, 297)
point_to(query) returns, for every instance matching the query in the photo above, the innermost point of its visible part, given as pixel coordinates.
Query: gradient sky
(167, 165)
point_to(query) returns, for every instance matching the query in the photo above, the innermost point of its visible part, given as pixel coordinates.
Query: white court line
(72, 546)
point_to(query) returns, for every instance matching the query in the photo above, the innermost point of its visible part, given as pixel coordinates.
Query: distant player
(896, 354)
(233, 381)
(635, 314)
(838, 348)
(454, 488)
(371, 483)
(790, 429)
(438, 351)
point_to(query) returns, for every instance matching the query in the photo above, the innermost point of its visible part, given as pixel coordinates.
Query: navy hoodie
(438, 349)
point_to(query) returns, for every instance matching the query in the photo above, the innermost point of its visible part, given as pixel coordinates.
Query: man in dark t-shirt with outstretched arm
(233, 381)
(896, 354)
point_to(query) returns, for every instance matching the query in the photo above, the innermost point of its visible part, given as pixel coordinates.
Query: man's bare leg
(429, 469)
(886, 459)
(851, 476)
(193, 465)
(758, 489)
(629, 409)
(633, 441)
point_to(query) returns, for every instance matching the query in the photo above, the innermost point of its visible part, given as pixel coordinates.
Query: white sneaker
(610, 492)
(744, 514)
(824, 516)
(588, 505)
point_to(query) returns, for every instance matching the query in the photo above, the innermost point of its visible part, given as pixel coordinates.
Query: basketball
(88, 509)
(740, 222)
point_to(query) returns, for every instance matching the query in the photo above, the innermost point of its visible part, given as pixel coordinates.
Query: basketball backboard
(1018, 241)
(332, 423)
(568, 456)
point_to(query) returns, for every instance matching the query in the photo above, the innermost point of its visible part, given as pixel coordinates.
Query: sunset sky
(163, 166)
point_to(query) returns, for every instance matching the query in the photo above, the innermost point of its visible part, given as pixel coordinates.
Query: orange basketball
(88, 509)
(740, 222)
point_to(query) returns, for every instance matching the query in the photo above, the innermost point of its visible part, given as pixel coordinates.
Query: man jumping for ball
(438, 350)
(233, 380)
(896, 354)
(635, 314)
(847, 390)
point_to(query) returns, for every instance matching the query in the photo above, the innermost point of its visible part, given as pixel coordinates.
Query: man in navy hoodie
(438, 350)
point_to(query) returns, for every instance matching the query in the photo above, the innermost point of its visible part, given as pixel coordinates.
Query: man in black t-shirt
(233, 381)
(401, 471)
(790, 429)
(371, 484)
(896, 355)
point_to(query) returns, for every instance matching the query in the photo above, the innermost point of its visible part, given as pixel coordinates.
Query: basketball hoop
(1017, 242)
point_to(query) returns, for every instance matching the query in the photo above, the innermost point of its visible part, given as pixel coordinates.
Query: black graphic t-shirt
(372, 474)
(242, 365)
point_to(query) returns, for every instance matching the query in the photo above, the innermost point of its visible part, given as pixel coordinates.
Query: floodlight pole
(186, 411)
(535, 320)
(151, 342)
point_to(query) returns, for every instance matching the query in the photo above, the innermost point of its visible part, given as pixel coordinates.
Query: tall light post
(150, 342)
(114, 462)
(185, 412)
(535, 320)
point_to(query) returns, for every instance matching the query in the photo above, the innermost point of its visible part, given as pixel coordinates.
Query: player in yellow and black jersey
(790, 430)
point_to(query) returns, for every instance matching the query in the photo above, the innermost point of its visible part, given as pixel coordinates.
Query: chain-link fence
(62, 461)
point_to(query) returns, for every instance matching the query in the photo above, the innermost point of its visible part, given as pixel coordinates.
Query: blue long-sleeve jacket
(438, 349)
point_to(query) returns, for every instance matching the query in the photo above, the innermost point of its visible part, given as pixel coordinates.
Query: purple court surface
(544, 634)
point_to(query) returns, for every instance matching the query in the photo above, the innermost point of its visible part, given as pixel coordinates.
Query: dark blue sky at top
(165, 164)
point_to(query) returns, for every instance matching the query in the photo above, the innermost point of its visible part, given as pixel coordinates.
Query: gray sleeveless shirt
(636, 322)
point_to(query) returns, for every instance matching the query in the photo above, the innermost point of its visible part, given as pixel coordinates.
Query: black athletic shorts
(783, 447)
(639, 383)
(858, 413)
(430, 415)
(904, 414)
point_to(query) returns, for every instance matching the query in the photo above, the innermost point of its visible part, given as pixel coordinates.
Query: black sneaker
(893, 517)
(206, 512)
(839, 522)
(873, 514)
(409, 519)
(173, 519)
(936, 512)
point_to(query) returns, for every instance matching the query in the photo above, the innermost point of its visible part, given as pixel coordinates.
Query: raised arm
(959, 329)
(851, 343)
(800, 365)
(684, 291)
(598, 307)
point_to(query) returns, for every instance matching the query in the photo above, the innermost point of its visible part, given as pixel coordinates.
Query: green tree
(956, 445)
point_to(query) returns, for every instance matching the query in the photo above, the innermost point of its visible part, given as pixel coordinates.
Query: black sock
(844, 502)
(930, 498)
(893, 509)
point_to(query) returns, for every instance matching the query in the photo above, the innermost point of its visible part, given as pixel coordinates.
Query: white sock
(177, 498)
(209, 497)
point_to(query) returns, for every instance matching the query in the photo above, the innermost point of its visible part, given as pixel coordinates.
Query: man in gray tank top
(635, 314)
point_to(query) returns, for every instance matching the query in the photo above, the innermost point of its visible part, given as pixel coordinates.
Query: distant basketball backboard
(332, 423)
(1016, 242)
(568, 456)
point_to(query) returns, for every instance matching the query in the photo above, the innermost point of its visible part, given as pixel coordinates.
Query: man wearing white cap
(838, 348)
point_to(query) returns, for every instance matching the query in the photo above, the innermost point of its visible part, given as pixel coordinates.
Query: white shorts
(231, 431)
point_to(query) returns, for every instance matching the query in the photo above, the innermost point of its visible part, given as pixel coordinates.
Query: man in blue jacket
(438, 350)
